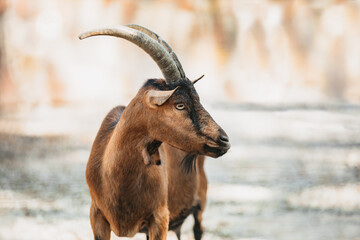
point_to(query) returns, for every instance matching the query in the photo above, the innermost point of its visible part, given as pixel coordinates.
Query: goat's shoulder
(103, 135)
(111, 119)
(108, 125)
(93, 173)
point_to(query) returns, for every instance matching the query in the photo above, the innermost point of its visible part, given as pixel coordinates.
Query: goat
(127, 179)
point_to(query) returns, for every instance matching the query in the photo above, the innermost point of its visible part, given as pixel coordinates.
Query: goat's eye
(180, 106)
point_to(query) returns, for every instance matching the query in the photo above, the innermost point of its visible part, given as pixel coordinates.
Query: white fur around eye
(180, 106)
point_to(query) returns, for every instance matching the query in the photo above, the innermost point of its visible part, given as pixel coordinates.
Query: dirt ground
(293, 172)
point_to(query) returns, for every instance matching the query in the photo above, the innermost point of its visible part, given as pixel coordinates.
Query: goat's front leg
(158, 226)
(199, 209)
(198, 228)
(99, 225)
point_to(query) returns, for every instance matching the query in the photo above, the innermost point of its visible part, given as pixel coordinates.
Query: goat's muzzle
(218, 147)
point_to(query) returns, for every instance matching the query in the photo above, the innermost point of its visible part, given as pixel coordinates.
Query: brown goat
(129, 182)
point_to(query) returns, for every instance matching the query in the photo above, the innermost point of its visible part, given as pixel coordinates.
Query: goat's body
(118, 211)
(123, 190)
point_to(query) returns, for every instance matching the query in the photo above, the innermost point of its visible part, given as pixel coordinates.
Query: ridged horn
(162, 42)
(151, 46)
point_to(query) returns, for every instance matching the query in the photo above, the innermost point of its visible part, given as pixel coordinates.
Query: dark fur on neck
(153, 147)
(189, 163)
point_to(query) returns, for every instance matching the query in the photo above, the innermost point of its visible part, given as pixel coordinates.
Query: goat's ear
(155, 98)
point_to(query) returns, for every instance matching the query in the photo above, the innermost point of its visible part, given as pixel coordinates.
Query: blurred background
(281, 77)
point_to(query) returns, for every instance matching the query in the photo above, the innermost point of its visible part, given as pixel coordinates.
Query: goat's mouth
(214, 149)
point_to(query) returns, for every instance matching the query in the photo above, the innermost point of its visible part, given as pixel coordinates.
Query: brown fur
(186, 192)
(129, 193)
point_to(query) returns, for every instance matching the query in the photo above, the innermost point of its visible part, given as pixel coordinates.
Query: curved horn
(156, 51)
(162, 42)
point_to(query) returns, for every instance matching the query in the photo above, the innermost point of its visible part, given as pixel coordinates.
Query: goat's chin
(215, 152)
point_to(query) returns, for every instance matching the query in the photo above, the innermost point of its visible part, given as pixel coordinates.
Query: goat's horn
(162, 42)
(152, 47)
(196, 80)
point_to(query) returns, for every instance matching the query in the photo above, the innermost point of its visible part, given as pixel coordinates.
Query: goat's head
(171, 106)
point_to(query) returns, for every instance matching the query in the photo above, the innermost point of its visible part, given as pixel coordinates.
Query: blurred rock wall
(260, 51)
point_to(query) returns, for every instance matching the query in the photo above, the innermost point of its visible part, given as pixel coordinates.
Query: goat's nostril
(224, 138)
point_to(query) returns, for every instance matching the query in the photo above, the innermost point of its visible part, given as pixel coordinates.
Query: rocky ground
(293, 172)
